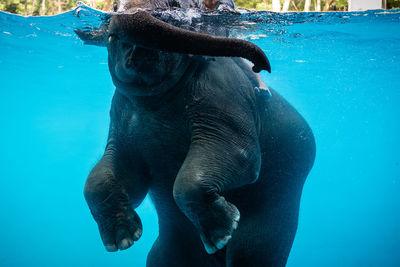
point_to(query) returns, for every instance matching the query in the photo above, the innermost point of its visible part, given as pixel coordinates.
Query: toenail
(111, 248)
(235, 225)
(220, 245)
(222, 242)
(210, 250)
(137, 234)
(125, 243)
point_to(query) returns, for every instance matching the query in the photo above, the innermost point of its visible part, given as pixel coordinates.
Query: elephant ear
(96, 37)
(142, 29)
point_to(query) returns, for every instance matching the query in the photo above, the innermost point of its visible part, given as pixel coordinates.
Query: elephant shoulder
(224, 73)
(222, 85)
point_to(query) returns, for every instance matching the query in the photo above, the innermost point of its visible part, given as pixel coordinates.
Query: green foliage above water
(44, 7)
(393, 4)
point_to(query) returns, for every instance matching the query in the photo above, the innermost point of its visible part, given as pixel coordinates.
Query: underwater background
(341, 71)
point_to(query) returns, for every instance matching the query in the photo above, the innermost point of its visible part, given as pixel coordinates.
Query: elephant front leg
(210, 169)
(111, 190)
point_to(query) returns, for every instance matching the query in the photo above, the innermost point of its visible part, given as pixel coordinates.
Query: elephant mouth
(149, 71)
(141, 59)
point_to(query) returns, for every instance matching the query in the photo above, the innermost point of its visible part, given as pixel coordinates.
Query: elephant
(223, 157)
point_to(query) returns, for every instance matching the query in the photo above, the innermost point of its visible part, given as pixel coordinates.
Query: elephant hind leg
(263, 240)
(264, 250)
(269, 219)
(182, 250)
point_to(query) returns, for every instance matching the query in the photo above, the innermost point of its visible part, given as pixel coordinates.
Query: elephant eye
(115, 7)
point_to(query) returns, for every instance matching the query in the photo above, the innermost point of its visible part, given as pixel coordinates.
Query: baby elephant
(192, 125)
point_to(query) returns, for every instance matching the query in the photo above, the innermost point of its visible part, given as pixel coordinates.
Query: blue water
(340, 70)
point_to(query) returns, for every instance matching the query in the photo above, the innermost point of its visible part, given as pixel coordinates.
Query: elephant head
(147, 55)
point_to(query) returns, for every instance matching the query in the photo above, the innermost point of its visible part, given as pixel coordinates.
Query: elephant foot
(119, 230)
(217, 224)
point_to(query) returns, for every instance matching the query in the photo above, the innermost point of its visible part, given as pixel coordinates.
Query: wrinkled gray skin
(224, 165)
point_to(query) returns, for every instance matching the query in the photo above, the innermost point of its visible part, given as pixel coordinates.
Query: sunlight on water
(340, 70)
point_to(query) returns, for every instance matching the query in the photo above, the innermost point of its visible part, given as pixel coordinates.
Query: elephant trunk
(144, 30)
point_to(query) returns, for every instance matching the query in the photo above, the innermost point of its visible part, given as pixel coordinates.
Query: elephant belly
(288, 152)
(287, 142)
(164, 147)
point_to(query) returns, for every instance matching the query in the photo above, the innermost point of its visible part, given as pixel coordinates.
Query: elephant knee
(249, 164)
(185, 191)
(99, 187)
